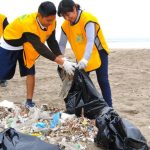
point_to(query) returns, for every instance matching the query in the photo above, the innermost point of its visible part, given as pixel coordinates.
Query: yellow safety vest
(2, 18)
(28, 23)
(76, 36)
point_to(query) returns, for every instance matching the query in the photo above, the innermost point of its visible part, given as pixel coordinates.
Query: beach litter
(52, 126)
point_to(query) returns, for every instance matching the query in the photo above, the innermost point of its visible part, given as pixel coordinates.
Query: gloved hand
(82, 63)
(64, 58)
(69, 67)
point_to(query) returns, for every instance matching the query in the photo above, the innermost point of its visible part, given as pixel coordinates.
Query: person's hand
(63, 58)
(82, 63)
(60, 56)
(69, 67)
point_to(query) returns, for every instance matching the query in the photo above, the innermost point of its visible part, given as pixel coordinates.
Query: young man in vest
(3, 24)
(85, 36)
(23, 41)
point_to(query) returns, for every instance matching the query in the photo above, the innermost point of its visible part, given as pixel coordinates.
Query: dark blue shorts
(8, 61)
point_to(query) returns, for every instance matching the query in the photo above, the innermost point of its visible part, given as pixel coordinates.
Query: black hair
(66, 6)
(47, 9)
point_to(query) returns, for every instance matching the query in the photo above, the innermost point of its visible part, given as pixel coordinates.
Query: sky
(119, 19)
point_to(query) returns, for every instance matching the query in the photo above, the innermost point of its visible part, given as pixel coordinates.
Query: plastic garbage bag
(83, 96)
(115, 133)
(67, 82)
(10, 139)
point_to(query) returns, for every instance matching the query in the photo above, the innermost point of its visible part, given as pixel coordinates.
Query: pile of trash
(51, 125)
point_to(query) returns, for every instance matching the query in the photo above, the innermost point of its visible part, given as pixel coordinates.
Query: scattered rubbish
(50, 125)
(7, 104)
(41, 125)
(55, 120)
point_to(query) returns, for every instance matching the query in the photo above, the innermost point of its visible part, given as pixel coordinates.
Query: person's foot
(3, 83)
(29, 104)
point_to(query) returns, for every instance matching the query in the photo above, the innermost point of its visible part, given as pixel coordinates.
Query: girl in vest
(85, 36)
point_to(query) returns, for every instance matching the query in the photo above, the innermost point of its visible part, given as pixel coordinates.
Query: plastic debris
(7, 104)
(51, 125)
(55, 120)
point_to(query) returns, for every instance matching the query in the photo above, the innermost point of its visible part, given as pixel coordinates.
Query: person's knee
(30, 76)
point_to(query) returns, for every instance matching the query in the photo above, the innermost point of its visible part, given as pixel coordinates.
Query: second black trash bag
(84, 96)
(115, 133)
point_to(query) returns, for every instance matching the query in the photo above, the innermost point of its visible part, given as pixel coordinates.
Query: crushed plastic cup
(55, 120)
(41, 125)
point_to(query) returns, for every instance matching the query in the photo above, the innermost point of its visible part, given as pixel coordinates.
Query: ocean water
(129, 43)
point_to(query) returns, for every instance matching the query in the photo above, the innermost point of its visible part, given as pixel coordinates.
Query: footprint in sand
(133, 111)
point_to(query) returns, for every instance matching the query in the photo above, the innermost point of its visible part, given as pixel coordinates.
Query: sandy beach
(129, 75)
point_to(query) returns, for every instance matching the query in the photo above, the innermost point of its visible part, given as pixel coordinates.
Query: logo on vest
(79, 38)
(23, 17)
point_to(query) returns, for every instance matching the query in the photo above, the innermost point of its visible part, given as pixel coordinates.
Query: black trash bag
(10, 139)
(83, 96)
(115, 133)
